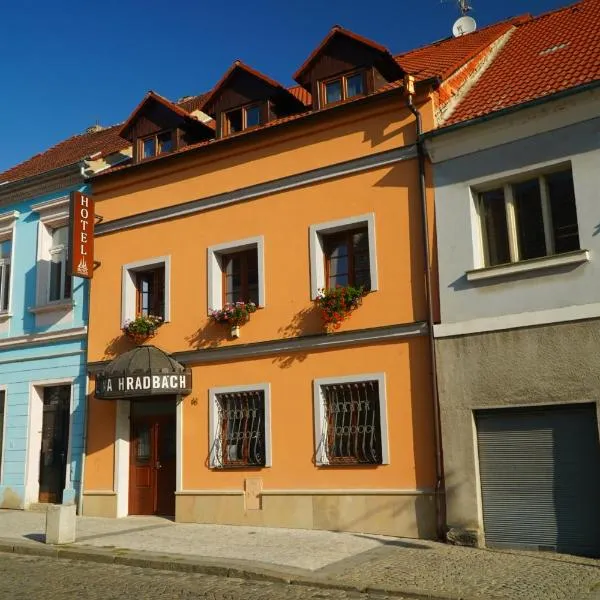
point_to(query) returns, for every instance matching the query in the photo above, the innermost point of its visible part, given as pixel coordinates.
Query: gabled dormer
(158, 126)
(346, 66)
(245, 99)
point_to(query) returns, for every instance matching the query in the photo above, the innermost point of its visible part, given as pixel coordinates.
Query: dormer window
(242, 118)
(343, 87)
(159, 143)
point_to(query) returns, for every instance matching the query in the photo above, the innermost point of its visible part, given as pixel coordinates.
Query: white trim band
(515, 321)
(46, 336)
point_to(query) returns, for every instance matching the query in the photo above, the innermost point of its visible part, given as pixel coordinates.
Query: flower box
(142, 328)
(336, 304)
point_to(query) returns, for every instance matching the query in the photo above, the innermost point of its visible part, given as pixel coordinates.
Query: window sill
(52, 307)
(4, 316)
(529, 266)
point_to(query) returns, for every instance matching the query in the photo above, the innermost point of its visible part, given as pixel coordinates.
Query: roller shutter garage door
(540, 478)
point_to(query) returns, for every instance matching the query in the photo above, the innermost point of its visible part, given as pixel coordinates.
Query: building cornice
(285, 346)
(350, 167)
(43, 338)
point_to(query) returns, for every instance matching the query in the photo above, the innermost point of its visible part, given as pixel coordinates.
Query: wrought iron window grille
(351, 429)
(240, 436)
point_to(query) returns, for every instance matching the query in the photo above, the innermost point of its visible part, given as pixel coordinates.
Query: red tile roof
(68, 152)
(446, 56)
(438, 59)
(549, 54)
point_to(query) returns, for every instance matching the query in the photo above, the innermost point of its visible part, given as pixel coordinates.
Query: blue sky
(69, 64)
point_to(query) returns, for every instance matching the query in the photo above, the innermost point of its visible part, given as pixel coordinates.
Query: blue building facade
(43, 327)
(42, 355)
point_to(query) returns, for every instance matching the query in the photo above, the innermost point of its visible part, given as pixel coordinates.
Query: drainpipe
(439, 464)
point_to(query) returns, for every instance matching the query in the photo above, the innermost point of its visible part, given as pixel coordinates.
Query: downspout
(440, 504)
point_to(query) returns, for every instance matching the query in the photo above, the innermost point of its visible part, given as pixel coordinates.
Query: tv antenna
(465, 24)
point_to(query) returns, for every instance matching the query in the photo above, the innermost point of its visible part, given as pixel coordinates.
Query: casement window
(351, 420)
(158, 143)
(343, 87)
(7, 235)
(2, 419)
(146, 289)
(5, 261)
(236, 273)
(242, 118)
(240, 276)
(343, 253)
(240, 427)
(60, 279)
(529, 218)
(150, 292)
(346, 256)
(54, 281)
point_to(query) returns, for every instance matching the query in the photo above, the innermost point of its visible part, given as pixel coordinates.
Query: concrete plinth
(60, 524)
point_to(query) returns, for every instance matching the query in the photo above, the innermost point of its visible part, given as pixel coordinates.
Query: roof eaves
(513, 108)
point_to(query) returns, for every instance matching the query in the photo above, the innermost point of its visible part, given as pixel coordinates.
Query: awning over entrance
(142, 372)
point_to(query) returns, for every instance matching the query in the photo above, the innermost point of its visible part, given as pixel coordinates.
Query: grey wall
(462, 300)
(539, 365)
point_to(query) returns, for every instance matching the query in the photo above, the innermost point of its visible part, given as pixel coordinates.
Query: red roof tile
(551, 53)
(446, 56)
(68, 152)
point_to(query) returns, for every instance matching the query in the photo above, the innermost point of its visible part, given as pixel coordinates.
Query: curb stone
(185, 563)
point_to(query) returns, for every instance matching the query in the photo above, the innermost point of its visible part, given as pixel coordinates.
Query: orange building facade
(281, 421)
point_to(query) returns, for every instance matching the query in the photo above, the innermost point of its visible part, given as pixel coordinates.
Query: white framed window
(54, 282)
(236, 272)
(7, 234)
(60, 280)
(2, 427)
(351, 420)
(146, 288)
(343, 252)
(528, 217)
(240, 426)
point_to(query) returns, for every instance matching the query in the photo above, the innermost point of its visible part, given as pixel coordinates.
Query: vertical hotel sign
(81, 255)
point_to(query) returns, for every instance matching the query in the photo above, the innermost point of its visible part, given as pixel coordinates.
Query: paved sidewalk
(330, 559)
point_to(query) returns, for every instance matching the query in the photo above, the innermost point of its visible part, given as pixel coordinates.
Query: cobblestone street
(34, 577)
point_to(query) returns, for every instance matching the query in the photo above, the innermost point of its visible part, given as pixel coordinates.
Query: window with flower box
(146, 289)
(351, 420)
(236, 273)
(240, 427)
(343, 253)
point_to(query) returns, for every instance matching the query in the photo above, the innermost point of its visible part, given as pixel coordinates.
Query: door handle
(158, 465)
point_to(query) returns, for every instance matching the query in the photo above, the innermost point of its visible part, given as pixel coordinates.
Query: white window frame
(61, 250)
(53, 214)
(480, 245)
(215, 269)
(317, 250)
(3, 425)
(213, 419)
(319, 413)
(129, 290)
(8, 222)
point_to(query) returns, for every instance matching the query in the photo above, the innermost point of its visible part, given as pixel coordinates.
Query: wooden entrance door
(55, 443)
(152, 465)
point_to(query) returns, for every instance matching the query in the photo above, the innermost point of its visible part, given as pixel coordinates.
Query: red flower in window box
(336, 304)
(235, 314)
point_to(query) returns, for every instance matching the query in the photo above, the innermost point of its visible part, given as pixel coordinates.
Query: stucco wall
(550, 364)
(462, 300)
